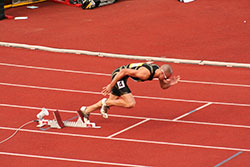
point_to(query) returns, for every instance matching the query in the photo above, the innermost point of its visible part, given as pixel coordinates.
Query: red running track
(166, 128)
(205, 137)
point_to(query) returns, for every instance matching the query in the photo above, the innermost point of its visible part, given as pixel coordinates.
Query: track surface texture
(201, 121)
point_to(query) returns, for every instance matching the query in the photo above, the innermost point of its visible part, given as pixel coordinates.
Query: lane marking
(99, 93)
(49, 88)
(133, 117)
(137, 124)
(197, 109)
(54, 69)
(131, 140)
(68, 159)
(192, 101)
(103, 74)
(215, 83)
(228, 159)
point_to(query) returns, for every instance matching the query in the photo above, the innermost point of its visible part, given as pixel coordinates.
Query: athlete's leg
(93, 107)
(98, 105)
(105, 107)
(127, 100)
(113, 97)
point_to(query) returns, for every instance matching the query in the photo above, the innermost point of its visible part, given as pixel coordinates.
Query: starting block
(59, 124)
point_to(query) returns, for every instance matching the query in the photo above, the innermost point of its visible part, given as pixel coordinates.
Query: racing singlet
(151, 67)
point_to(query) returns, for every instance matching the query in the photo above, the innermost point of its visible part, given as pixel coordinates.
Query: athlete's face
(166, 75)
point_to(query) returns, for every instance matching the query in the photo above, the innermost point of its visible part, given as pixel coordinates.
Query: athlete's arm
(141, 73)
(169, 82)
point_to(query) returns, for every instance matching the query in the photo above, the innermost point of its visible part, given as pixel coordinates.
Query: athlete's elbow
(123, 72)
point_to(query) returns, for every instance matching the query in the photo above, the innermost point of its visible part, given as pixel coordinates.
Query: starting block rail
(59, 124)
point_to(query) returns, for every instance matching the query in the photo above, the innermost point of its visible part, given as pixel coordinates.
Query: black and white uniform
(121, 86)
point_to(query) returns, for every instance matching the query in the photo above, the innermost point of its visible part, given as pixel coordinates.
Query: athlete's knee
(130, 104)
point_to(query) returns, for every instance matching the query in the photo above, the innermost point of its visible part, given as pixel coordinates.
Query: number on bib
(121, 84)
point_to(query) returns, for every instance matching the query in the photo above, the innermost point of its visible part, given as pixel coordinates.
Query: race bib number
(120, 84)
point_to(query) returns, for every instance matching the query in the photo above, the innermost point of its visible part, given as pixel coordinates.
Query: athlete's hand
(106, 90)
(174, 80)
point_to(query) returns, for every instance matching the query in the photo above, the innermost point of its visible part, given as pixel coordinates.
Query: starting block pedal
(59, 124)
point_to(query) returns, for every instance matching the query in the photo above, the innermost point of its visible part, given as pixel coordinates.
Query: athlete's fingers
(105, 91)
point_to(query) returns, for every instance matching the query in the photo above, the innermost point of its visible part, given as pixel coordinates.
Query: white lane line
(133, 117)
(68, 159)
(192, 101)
(137, 124)
(215, 83)
(197, 109)
(131, 140)
(49, 88)
(141, 97)
(103, 74)
(53, 69)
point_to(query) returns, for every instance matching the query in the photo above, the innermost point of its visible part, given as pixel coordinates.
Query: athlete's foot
(84, 115)
(104, 109)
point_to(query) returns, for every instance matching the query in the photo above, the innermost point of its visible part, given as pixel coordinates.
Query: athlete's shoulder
(154, 66)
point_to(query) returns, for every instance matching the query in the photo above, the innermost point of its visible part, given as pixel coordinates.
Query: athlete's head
(166, 71)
